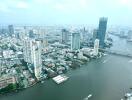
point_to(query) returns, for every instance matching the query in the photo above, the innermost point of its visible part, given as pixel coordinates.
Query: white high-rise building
(96, 47)
(75, 41)
(27, 44)
(37, 59)
(32, 54)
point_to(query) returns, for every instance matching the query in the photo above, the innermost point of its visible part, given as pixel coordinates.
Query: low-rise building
(5, 81)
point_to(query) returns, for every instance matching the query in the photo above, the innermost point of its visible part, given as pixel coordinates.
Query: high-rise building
(65, 35)
(102, 31)
(96, 46)
(37, 59)
(11, 29)
(75, 41)
(27, 50)
(32, 54)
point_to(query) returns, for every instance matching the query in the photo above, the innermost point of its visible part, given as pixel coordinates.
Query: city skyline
(61, 12)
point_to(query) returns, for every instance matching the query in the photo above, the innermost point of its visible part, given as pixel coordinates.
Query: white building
(37, 59)
(28, 50)
(32, 54)
(8, 54)
(75, 41)
(96, 47)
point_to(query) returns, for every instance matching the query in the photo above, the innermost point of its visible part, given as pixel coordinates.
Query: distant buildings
(102, 31)
(75, 41)
(129, 34)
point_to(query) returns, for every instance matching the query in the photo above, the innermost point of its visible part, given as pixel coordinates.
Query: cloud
(72, 5)
(125, 3)
(4, 8)
(23, 5)
(11, 5)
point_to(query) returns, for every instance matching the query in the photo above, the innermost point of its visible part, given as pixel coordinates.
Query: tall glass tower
(102, 31)
(75, 41)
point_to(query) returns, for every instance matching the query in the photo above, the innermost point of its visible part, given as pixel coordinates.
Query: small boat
(130, 87)
(105, 54)
(130, 61)
(89, 96)
(105, 61)
(42, 81)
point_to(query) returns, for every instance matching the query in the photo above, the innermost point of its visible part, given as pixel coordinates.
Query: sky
(61, 12)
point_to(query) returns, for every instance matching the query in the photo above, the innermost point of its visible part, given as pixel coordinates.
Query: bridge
(119, 53)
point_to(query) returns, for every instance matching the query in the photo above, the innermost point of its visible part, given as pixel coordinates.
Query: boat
(105, 54)
(130, 61)
(42, 81)
(130, 87)
(89, 96)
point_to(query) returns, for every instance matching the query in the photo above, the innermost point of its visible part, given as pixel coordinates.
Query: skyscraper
(11, 29)
(27, 50)
(75, 41)
(37, 59)
(32, 54)
(102, 31)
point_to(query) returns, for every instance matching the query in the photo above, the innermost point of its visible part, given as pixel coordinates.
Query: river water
(108, 78)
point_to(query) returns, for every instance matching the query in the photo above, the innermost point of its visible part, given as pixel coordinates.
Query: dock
(60, 78)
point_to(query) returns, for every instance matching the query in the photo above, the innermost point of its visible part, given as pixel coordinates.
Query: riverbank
(106, 81)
